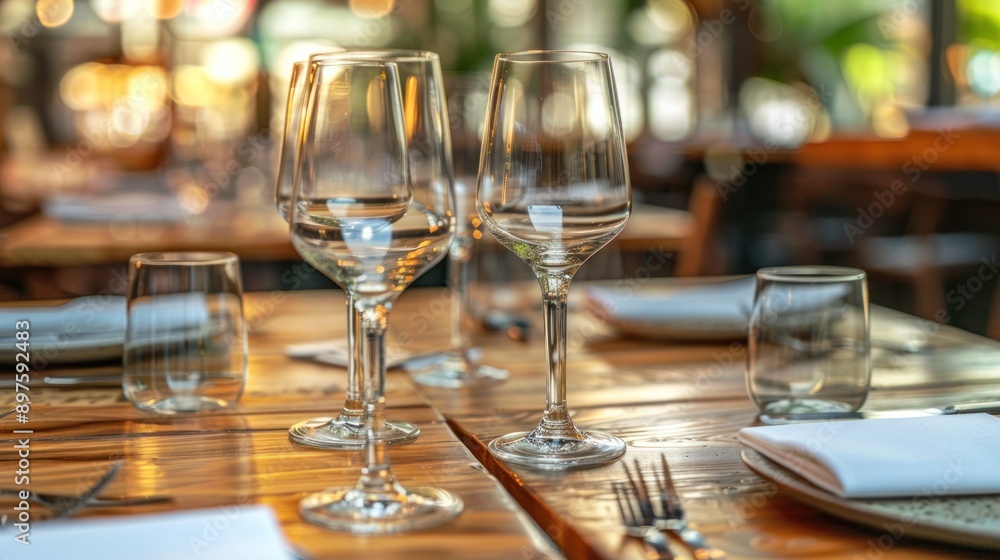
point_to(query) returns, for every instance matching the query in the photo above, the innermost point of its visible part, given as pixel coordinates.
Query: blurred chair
(856, 219)
(925, 259)
(699, 254)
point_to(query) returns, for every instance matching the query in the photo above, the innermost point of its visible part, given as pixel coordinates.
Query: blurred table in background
(40, 241)
(254, 234)
(79, 258)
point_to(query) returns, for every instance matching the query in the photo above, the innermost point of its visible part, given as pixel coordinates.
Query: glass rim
(389, 55)
(543, 56)
(811, 273)
(184, 258)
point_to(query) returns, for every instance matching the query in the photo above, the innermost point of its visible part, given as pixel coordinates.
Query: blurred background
(858, 132)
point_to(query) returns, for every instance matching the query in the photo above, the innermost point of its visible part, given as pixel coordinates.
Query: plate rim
(862, 514)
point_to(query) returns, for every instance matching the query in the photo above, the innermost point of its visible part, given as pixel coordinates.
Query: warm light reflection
(778, 113)
(672, 17)
(81, 87)
(140, 37)
(374, 105)
(558, 117)
(117, 105)
(411, 107)
(211, 18)
(115, 11)
(889, 121)
(191, 86)
(671, 110)
(371, 8)
(53, 13)
(670, 96)
(231, 62)
(164, 9)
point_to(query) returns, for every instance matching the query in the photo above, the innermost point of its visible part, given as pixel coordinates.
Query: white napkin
(709, 311)
(247, 533)
(115, 207)
(888, 457)
(335, 352)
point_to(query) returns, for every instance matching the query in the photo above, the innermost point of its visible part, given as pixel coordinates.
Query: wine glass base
(524, 449)
(179, 404)
(452, 370)
(351, 511)
(334, 433)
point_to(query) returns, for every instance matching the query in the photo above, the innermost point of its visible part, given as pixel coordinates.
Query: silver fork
(638, 522)
(65, 506)
(669, 516)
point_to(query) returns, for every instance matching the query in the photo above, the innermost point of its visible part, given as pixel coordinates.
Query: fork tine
(70, 506)
(656, 543)
(638, 484)
(662, 494)
(624, 504)
(670, 491)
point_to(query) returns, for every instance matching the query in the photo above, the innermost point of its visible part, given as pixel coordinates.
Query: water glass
(809, 340)
(186, 339)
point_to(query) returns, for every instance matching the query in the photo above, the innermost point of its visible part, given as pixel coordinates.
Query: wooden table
(685, 400)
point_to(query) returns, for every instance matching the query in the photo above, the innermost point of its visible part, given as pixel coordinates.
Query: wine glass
(356, 217)
(554, 189)
(460, 365)
(347, 429)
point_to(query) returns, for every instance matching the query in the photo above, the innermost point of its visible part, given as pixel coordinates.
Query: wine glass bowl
(356, 217)
(553, 188)
(345, 430)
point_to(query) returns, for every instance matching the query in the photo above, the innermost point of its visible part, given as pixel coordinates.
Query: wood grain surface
(684, 400)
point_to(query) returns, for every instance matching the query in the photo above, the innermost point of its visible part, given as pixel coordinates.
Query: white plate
(963, 520)
(710, 311)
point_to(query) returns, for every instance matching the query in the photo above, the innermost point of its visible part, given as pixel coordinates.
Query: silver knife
(989, 407)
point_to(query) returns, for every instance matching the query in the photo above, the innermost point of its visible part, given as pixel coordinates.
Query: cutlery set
(649, 512)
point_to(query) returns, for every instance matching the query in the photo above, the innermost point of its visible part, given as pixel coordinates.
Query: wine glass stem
(556, 421)
(353, 410)
(458, 273)
(376, 477)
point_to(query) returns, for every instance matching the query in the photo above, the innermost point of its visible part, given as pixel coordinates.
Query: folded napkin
(335, 352)
(888, 457)
(699, 312)
(247, 533)
(115, 206)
